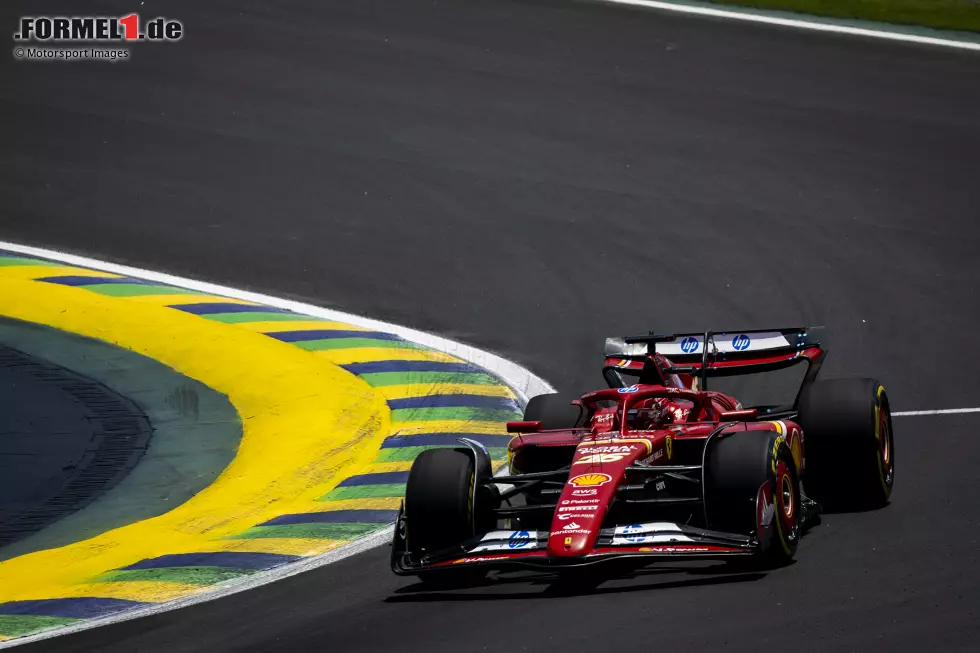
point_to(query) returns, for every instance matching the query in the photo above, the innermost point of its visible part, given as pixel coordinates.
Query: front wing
(504, 549)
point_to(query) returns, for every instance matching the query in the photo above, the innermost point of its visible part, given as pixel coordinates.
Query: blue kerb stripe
(206, 308)
(80, 280)
(445, 439)
(234, 559)
(336, 517)
(375, 479)
(323, 334)
(409, 366)
(455, 401)
(84, 607)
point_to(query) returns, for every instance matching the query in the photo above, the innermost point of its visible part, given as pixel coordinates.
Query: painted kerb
(388, 390)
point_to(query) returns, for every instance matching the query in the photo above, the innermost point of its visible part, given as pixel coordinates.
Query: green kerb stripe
(9, 261)
(353, 343)
(191, 575)
(314, 531)
(18, 625)
(239, 318)
(378, 379)
(136, 290)
(402, 454)
(460, 413)
(379, 491)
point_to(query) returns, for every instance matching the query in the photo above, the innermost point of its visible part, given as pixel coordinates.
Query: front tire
(752, 486)
(439, 510)
(850, 447)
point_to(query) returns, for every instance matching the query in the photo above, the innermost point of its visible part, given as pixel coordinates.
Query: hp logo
(689, 345)
(741, 342)
(519, 539)
(630, 533)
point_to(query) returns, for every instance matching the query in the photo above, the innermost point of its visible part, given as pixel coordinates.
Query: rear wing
(710, 354)
(683, 345)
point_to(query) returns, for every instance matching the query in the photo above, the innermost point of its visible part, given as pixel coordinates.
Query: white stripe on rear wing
(725, 343)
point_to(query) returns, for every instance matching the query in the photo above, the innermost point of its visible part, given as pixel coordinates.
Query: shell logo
(590, 480)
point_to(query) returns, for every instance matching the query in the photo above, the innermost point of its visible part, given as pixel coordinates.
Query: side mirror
(748, 415)
(523, 427)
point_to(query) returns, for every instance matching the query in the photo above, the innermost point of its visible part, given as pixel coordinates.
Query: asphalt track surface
(530, 177)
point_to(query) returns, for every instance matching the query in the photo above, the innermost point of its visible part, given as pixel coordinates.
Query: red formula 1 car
(658, 465)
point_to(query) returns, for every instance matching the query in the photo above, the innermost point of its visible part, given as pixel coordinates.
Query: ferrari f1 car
(665, 463)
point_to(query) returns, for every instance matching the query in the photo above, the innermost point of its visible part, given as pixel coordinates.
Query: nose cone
(597, 471)
(581, 509)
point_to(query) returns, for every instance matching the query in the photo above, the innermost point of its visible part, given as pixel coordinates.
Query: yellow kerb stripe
(295, 546)
(400, 466)
(26, 272)
(379, 503)
(176, 300)
(152, 591)
(306, 424)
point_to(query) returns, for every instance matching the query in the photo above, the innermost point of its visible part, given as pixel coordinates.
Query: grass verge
(939, 14)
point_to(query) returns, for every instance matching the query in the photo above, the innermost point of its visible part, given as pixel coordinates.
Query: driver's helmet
(658, 412)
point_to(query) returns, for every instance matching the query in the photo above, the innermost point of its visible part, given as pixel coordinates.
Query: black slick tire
(439, 510)
(752, 486)
(850, 447)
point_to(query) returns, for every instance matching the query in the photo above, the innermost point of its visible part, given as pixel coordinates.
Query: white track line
(800, 24)
(945, 411)
(524, 383)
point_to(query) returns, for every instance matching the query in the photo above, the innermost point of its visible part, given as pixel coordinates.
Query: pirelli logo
(68, 29)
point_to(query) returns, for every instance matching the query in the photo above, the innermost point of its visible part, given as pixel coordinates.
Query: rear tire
(439, 510)
(554, 411)
(752, 485)
(850, 448)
